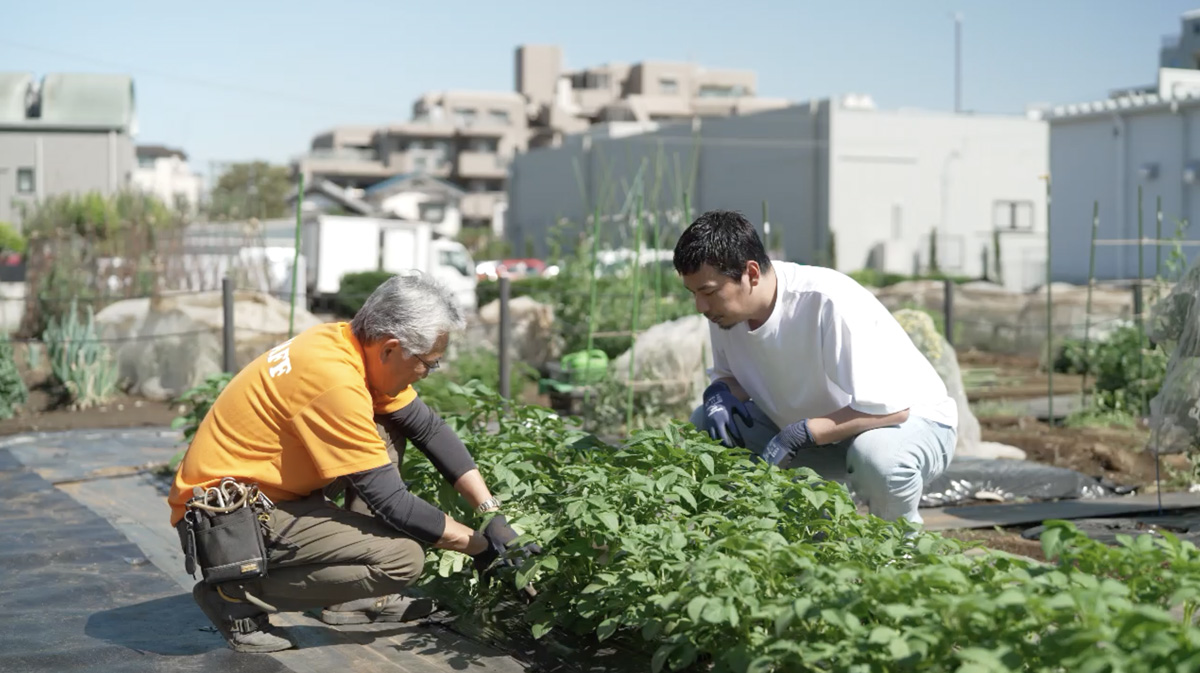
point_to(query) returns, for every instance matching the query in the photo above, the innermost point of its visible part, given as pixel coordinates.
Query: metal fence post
(505, 339)
(230, 361)
(948, 309)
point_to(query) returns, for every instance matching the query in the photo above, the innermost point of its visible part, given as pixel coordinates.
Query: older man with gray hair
(332, 409)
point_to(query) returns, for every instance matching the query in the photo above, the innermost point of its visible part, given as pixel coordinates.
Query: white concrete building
(840, 178)
(1102, 152)
(164, 172)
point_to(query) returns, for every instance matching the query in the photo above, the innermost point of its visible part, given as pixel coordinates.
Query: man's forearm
(472, 487)
(846, 422)
(460, 538)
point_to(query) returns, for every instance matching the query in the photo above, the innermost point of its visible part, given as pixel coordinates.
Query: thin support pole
(593, 287)
(1157, 243)
(228, 359)
(948, 309)
(637, 302)
(1049, 315)
(1087, 314)
(296, 258)
(505, 338)
(657, 266)
(1141, 325)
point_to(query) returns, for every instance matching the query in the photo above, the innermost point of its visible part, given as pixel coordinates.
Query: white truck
(334, 245)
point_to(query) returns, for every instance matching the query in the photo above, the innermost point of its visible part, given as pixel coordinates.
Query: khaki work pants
(332, 555)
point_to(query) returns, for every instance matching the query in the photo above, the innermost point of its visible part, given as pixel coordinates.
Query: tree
(253, 189)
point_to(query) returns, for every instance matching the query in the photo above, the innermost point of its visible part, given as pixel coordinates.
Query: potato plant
(706, 560)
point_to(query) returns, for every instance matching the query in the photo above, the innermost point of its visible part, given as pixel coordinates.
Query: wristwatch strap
(490, 503)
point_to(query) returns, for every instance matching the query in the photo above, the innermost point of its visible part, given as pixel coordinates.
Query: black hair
(722, 239)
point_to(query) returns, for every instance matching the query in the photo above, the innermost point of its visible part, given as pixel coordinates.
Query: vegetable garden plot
(698, 557)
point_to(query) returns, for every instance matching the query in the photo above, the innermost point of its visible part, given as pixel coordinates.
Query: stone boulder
(924, 334)
(167, 345)
(673, 357)
(534, 339)
(994, 319)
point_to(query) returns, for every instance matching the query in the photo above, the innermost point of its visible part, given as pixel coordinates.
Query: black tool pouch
(225, 545)
(230, 546)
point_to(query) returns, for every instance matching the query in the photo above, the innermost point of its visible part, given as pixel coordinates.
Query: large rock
(994, 319)
(673, 357)
(167, 345)
(534, 339)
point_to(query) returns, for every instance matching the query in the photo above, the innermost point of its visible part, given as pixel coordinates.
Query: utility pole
(957, 62)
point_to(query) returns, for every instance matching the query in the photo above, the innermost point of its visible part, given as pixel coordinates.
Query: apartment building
(464, 137)
(469, 138)
(564, 102)
(1183, 50)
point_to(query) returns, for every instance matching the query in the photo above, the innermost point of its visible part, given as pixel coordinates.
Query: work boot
(245, 627)
(390, 608)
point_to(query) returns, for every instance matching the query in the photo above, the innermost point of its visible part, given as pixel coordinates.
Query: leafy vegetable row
(696, 554)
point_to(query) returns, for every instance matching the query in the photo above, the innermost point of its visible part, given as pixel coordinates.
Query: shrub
(1113, 365)
(13, 393)
(196, 402)
(355, 288)
(79, 361)
(11, 240)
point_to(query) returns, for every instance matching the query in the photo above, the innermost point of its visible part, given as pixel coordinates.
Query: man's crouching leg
(350, 566)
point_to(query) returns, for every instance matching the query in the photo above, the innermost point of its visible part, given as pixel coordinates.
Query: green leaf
(882, 634)
(606, 628)
(899, 648)
(714, 612)
(651, 629)
(711, 490)
(610, 520)
(686, 495)
(695, 607)
(707, 460)
(540, 629)
(660, 657)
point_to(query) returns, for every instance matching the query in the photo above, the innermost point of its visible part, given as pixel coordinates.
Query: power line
(195, 81)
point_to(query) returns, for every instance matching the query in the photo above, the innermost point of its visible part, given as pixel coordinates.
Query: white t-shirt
(828, 344)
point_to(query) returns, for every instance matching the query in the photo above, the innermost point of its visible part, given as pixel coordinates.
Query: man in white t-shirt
(811, 370)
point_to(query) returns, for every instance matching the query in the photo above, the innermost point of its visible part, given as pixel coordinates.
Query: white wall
(1096, 158)
(169, 177)
(408, 206)
(895, 176)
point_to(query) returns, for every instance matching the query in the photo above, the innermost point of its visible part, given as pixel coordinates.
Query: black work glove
(719, 407)
(499, 536)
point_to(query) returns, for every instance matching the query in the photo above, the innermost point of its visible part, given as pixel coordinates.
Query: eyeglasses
(429, 366)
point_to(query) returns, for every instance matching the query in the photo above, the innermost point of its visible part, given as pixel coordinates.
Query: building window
(498, 117)
(420, 163)
(433, 212)
(668, 86)
(717, 91)
(1012, 215)
(464, 116)
(25, 183)
(485, 145)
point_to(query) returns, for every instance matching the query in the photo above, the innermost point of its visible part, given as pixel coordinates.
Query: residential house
(164, 172)
(65, 133)
(420, 197)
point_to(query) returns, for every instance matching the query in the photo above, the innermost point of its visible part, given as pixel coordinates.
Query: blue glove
(719, 407)
(790, 440)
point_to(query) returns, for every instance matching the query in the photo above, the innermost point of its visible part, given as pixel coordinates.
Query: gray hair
(413, 309)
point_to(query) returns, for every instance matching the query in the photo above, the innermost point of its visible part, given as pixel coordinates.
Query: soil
(1006, 540)
(45, 412)
(1115, 453)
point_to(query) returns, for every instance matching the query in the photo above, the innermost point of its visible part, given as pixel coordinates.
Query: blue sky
(233, 81)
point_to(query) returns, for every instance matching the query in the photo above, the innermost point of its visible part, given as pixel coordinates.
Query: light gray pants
(886, 467)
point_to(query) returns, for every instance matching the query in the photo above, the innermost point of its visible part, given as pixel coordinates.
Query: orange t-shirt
(292, 421)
